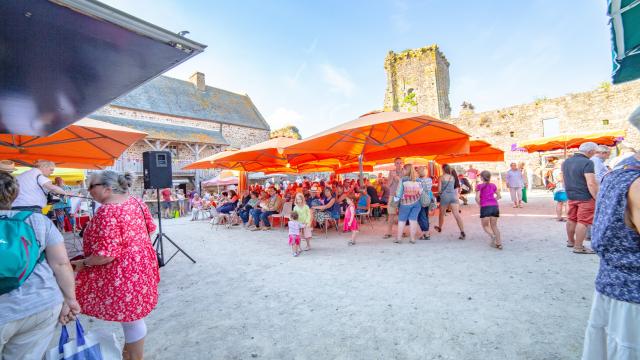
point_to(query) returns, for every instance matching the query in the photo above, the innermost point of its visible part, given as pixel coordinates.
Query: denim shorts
(409, 212)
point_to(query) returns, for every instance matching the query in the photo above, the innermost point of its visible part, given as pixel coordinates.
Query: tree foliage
(287, 131)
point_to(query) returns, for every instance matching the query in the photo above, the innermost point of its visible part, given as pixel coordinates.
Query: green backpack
(20, 251)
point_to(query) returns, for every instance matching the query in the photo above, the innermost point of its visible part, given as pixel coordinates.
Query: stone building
(187, 118)
(425, 72)
(418, 81)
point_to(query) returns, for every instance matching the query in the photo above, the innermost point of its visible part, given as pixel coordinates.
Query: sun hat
(7, 166)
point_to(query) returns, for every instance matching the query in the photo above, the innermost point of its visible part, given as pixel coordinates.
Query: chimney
(197, 79)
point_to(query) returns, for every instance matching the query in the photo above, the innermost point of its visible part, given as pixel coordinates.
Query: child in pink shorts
(294, 233)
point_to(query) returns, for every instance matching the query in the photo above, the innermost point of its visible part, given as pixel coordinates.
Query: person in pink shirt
(487, 196)
(472, 175)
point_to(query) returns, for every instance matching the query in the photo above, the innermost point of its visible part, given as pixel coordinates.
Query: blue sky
(315, 64)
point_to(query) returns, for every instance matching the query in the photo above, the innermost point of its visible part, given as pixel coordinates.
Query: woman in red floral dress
(118, 278)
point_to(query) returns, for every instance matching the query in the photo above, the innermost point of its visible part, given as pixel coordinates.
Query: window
(551, 127)
(605, 122)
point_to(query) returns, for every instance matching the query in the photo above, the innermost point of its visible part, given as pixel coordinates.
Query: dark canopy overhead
(61, 60)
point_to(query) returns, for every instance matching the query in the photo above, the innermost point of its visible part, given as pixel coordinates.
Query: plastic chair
(326, 225)
(284, 214)
(365, 215)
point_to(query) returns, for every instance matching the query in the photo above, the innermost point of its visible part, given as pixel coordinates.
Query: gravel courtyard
(247, 297)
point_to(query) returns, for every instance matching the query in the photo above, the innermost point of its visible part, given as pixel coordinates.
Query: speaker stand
(158, 243)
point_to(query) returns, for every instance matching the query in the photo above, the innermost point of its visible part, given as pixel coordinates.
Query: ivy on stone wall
(410, 101)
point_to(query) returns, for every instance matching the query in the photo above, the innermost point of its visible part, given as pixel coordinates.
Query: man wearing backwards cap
(612, 331)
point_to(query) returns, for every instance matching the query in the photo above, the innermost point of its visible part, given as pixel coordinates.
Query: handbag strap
(64, 336)
(40, 186)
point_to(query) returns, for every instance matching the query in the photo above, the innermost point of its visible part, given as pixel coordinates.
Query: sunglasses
(94, 185)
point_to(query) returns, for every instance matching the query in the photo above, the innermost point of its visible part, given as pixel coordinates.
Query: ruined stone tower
(418, 81)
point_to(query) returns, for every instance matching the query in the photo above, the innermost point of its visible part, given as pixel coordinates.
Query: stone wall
(418, 81)
(131, 160)
(237, 136)
(606, 108)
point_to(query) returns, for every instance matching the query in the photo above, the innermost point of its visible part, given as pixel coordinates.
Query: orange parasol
(213, 161)
(381, 136)
(479, 150)
(85, 144)
(570, 141)
(267, 154)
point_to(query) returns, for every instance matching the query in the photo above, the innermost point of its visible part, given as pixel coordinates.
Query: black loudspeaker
(157, 169)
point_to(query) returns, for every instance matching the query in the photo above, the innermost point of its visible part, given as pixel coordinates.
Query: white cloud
(282, 117)
(338, 80)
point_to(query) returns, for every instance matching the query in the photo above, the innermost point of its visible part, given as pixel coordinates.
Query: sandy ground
(247, 297)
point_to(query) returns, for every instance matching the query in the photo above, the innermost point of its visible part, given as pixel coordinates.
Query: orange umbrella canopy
(570, 141)
(479, 150)
(85, 144)
(213, 161)
(267, 154)
(381, 136)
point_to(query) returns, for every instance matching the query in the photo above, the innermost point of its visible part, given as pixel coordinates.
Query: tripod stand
(159, 245)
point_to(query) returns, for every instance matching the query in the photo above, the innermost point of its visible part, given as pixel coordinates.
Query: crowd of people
(408, 196)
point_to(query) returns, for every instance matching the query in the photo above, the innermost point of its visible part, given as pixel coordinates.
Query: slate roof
(171, 96)
(167, 131)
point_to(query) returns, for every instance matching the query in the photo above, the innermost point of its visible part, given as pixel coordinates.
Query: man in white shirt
(34, 187)
(602, 155)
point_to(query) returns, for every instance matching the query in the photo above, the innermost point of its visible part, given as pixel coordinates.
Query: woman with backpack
(31, 305)
(426, 200)
(118, 278)
(408, 194)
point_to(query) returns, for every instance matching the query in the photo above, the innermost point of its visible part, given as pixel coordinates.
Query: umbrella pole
(565, 151)
(360, 167)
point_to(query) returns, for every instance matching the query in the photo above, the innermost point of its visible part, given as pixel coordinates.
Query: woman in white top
(29, 313)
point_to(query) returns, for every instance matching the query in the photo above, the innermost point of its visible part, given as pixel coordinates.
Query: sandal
(438, 229)
(462, 235)
(387, 236)
(351, 243)
(397, 241)
(583, 250)
(569, 245)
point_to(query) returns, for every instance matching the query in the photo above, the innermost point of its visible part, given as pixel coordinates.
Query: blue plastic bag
(90, 346)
